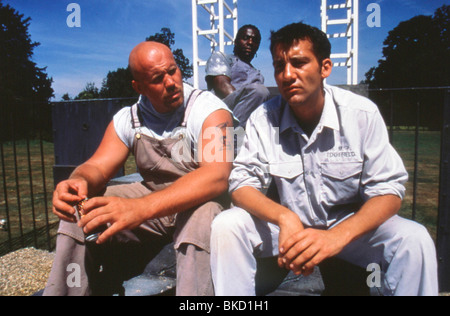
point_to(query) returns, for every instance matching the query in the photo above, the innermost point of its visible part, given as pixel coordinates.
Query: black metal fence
(34, 151)
(26, 184)
(415, 119)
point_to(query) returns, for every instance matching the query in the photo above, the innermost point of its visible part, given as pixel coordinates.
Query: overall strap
(135, 121)
(190, 103)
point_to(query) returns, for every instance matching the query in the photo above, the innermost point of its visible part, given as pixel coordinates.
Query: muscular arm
(222, 85)
(91, 177)
(195, 188)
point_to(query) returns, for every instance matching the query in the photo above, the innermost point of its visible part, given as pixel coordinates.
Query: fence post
(443, 234)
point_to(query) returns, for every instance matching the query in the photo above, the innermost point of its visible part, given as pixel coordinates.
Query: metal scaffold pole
(344, 27)
(212, 21)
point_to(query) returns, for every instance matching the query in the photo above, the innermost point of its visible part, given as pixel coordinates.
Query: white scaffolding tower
(350, 33)
(218, 15)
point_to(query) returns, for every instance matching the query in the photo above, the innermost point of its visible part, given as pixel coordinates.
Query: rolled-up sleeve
(384, 172)
(250, 166)
(218, 65)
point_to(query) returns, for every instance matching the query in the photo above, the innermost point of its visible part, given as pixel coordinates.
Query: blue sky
(111, 28)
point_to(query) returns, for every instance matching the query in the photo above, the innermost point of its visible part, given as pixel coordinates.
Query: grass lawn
(29, 205)
(427, 178)
(26, 208)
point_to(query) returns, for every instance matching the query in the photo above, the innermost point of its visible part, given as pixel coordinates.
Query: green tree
(416, 54)
(25, 89)
(89, 92)
(21, 80)
(167, 37)
(117, 84)
(66, 97)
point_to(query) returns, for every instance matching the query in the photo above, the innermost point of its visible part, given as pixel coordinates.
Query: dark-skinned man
(234, 79)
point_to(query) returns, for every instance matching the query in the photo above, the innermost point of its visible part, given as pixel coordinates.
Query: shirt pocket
(341, 182)
(284, 175)
(286, 170)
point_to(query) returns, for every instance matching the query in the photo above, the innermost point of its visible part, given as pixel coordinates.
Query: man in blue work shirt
(340, 182)
(234, 79)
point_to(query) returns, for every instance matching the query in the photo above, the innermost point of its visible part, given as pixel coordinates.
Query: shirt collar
(329, 117)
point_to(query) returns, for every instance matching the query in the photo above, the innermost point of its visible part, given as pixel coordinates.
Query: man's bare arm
(222, 86)
(91, 177)
(193, 189)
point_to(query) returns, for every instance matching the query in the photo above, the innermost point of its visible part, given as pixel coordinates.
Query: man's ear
(136, 86)
(327, 67)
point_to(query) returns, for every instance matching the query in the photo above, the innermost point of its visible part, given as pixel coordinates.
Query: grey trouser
(130, 251)
(246, 100)
(402, 250)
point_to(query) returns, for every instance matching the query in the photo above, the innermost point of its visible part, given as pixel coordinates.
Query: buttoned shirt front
(323, 178)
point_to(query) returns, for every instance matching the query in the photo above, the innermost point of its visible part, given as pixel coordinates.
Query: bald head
(145, 55)
(157, 76)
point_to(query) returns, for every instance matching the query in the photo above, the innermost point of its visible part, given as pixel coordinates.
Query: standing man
(234, 79)
(340, 182)
(178, 198)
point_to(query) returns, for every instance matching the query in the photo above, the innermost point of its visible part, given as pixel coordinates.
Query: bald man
(166, 130)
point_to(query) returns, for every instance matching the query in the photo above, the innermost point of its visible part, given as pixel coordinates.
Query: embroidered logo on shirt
(341, 153)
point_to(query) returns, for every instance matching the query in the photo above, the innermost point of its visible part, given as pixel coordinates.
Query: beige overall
(104, 268)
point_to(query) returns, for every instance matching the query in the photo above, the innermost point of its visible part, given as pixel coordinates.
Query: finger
(62, 206)
(305, 261)
(307, 271)
(315, 261)
(109, 233)
(290, 242)
(281, 263)
(94, 218)
(81, 189)
(69, 198)
(296, 251)
(64, 201)
(99, 223)
(95, 203)
(63, 216)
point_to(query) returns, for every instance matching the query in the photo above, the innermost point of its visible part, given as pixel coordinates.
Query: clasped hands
(303, 249)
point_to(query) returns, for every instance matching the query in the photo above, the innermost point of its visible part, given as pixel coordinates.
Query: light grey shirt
(240, 73)
(323, 178)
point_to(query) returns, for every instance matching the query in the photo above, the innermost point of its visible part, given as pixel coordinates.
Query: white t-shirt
(161, 126)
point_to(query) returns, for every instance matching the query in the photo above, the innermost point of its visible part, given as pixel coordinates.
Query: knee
(228, 224)
(416, 240)
(259, 90)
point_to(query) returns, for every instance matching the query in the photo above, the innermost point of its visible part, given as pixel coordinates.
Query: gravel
(24, 272)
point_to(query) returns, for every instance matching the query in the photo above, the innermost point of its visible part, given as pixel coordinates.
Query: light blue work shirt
(240, 73)
(323, 178)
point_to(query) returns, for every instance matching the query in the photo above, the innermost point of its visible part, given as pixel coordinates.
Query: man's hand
(66, 195)
(290, 225)
(117, 213)
(308, 248)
